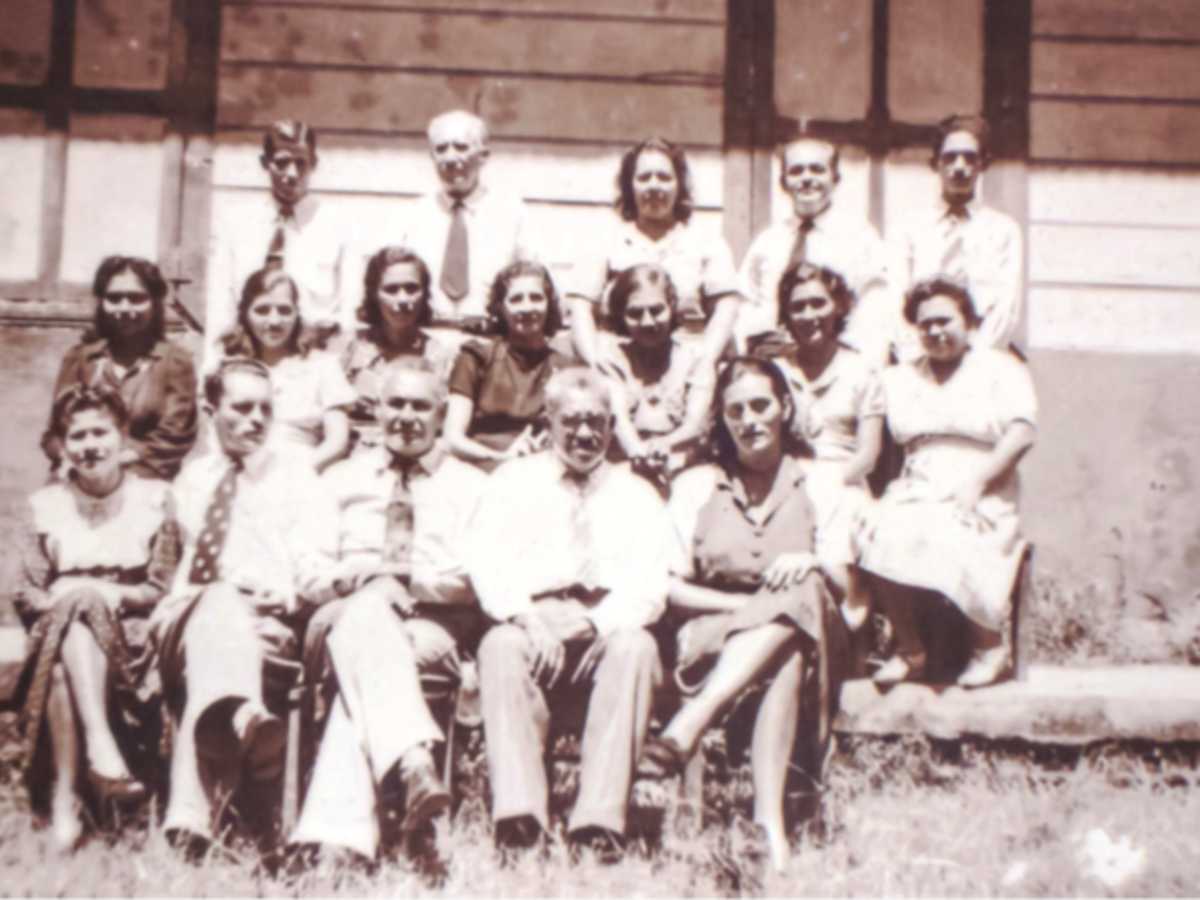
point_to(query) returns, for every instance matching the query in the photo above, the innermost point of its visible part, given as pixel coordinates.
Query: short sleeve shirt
(305, 388)
(830, 407)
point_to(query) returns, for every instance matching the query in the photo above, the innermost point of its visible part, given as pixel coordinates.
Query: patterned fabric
(400, 526)
(204, 568)
(456, 263)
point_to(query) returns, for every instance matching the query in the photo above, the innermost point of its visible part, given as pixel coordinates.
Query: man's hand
(590, 659)
(547, 651)
(788, 569)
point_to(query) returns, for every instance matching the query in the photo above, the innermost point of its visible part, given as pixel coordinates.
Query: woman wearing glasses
(126, 351)
(394, 309)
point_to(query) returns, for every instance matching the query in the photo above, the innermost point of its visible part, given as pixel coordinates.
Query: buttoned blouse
(830, 407)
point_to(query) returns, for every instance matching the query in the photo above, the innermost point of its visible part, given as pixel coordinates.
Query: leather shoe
(124, 790)
(985, 668)
(607, 846)
(425, 797)
(662, 758)
(263, 743)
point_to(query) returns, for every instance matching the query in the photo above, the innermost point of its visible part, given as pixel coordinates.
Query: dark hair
(240, 341)
(835, 285)
(721, 446)
(153, 283)
(633, 279)
(214, 381)
(368, 310)
(974, 125)
(289, 131)
(940, 286)
(81, 397)
(499, 291)
(626, 205)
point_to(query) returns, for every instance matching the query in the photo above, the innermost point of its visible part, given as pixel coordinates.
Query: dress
(127, 538)
(363, 360)
(506, 386)
(304, 388)
(657, 407)
(914, 536)
(829, 410)
(159, 391)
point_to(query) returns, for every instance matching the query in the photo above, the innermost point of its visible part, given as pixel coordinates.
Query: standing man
(255, 541)
(468, 230)
(570, 559)
(291, 230)
(966, 240)
(817, 233)
(404, 608)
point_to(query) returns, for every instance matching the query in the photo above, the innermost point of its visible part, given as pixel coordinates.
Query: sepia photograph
(600, 448)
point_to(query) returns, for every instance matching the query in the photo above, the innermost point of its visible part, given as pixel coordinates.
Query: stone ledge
(1054, 705)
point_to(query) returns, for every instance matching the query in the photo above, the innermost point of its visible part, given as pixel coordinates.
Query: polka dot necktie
(215, 529)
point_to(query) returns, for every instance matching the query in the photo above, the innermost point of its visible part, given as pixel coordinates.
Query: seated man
(403, 511)
(570, 557)
(255, 539)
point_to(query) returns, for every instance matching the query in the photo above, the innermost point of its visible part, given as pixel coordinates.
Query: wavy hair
(626, 204)
(152, 282)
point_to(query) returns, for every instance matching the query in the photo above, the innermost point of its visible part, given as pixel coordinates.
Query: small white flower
(1111, 862)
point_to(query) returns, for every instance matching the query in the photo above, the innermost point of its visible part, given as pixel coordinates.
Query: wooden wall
(1114, 191)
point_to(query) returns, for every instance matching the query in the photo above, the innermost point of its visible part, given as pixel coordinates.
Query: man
(255, 541)
(570, 559)
(965, 239)
(403, 515)
(817, 233)
(292, 230)
(468, 230)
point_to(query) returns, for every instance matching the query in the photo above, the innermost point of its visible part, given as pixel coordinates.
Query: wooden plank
(1111, 255)
(401, 166)
(514, 107)
(122, 44)
(712, 11)
(382, 38)
(1115, 132)
(25, 42)
(1172, 19)
(1108, 319)
(1098, 196)
(816, 38)
(1116, 70)
(935, 58)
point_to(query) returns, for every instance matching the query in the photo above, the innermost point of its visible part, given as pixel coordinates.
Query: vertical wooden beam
(878, 116)
(749, 119)
(54, 177)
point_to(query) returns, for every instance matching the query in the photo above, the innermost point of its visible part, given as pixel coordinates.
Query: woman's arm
(691, 597)
(335, 425)
(459, 411)
(583, 327)
(1018, 437)
(870, 440)
(719, 329)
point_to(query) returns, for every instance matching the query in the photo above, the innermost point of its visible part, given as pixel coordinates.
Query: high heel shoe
(124, 790)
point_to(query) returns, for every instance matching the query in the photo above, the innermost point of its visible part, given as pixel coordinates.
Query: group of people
(624, 500)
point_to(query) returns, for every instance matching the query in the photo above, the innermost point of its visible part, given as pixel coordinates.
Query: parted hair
(975, 125)
(803, 272)
(369, 312)
(499, 290)
(626, 204)
(152, 281)
(944, 286)
(721, 447)
(214, 381)
(636, 278)
(288, 131)
(81, 397)
(240, 340)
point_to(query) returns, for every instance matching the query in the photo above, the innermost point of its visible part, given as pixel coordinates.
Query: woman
(126, 351)
(840, 416)
(394, 308)
(662, 386)
(750, 580)
(655, 205)
(98, 549)
(496, 389)
(948, 525)
(311, 394)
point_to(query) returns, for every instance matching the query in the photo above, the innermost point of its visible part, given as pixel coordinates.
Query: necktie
(954, 260)
(800, 247)
(399, 523)
(215, 529)
(581, 530)
(455, 261)
(274, 258)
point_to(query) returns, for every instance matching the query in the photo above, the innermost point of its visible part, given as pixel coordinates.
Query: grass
(906, 817)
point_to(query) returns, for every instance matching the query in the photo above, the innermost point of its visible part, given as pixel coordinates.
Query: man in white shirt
(468, 230)
(964, 239)
(817, 233)
(291, 229)
(256, 541)
(570, 557)
(399, 605)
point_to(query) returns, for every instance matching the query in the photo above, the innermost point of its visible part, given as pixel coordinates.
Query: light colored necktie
(400, 522)
(954, 256)
(456, 260)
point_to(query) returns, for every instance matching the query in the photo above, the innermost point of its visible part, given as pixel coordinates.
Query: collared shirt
(852, 248)
(830, 407)
(320, 253)
(699, 262)
(539, 530)
(281, 533)
(992, 255)
(159, 391)
(445, 492)
(496, 236)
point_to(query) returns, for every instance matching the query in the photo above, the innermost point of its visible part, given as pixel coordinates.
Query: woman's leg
(60, 722)
(87, 671)
(774, 737)
(745, 656)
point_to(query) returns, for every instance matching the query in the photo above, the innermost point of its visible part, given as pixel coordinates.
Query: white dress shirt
(538, 530)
